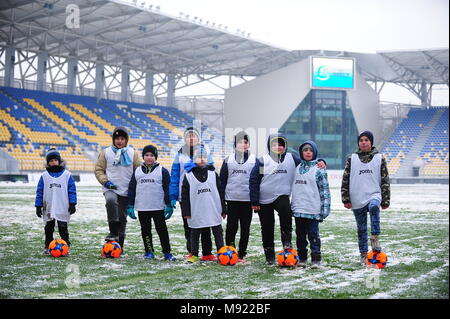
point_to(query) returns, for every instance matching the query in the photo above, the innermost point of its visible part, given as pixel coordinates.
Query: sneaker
(46, 251)
(270, 262)
(149, 255)
(302, 263)
(375, 243)
(169, 256)
(192, 259)
(111, 238)
(362, 259)
(209, 258)
(188, 256)
(315, 264)
(241, 260)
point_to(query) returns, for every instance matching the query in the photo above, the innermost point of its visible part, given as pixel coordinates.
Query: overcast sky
(344, 25)
(347, 25)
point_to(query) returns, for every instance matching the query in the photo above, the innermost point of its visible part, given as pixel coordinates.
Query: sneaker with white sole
(149, 255)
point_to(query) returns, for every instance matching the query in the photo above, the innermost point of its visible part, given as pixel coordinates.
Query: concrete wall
(262, 105)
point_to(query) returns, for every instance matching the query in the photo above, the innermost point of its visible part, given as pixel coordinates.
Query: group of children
(296, 187)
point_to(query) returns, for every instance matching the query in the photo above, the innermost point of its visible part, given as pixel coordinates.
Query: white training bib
(365, 181)
(183, 159)
(118, 175)
(56, 197)
(237, 188)
(305, 193)
(149, 190)
(277, 179)
(206, 208)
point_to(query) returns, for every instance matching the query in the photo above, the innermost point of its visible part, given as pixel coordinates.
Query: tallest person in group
(114, 169)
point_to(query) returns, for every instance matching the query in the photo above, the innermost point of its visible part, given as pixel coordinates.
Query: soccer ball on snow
(227, 256)
(58, 248)
(376, 259)
(111, 249)
(288, 257)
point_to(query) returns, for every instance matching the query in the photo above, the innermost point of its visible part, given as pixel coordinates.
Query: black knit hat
(367, 134)
(150, 148)
(242, 135)
(53, 154)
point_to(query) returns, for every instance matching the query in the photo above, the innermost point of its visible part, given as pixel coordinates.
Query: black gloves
(72, 209)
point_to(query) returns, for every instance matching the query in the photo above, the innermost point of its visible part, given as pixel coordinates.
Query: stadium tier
(80, 126)
(435, 151)
(425, 130)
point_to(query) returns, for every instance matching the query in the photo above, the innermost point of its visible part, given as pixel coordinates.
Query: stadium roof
(144, 38)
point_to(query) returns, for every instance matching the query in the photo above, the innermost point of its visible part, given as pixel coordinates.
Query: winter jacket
(148, 170)
(100, 166)
(201, 174)
(256, 173)
(322, 184)
(56, 171)
(366, 157)
(240, 158)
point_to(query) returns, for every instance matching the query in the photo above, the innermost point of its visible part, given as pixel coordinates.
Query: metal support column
(9, 66)
(170, 90)
(72, 69)
(41, 84)
(125, 83)
(149, 98)
(99, 80)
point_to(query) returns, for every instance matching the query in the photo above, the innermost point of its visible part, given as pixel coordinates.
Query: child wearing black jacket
(203, 204)
(234, 177)
(148, 193)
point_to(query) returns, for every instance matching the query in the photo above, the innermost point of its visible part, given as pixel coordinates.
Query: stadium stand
(435, 151)
(425, 130)
(80, 126)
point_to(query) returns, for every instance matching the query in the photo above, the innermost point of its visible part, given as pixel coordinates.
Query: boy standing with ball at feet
(148, 193)
(310, 203)
(114, 168)
(366, 187)
(203, 204)
(234, 177)
(56, 197)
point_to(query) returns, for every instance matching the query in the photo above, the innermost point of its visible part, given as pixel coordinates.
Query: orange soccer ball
(58, 248)
(111, 249)
(376, 259)
(227, 256)
(288, 257)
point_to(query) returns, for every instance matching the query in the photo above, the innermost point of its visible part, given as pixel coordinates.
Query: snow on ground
(414, 235)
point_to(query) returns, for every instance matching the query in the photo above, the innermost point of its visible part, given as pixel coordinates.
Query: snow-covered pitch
(415, 235)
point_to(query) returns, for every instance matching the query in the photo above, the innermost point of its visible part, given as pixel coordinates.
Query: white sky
(347, 25)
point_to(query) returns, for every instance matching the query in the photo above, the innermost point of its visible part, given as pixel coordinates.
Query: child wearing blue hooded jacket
(310, 203)
(56, 197)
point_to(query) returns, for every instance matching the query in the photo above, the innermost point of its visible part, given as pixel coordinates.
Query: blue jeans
(307, 230)
(373, 208)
